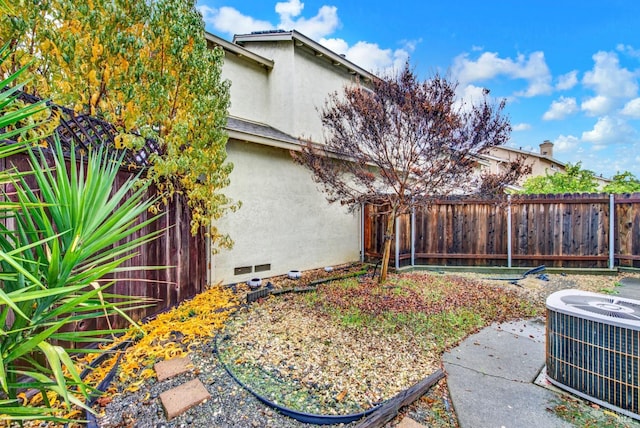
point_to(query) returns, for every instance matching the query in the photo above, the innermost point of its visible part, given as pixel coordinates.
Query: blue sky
(569, 69)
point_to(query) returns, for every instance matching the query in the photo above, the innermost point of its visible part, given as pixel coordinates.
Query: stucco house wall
(285, 222)
(541, 163)
(303, 76)
(250, 100)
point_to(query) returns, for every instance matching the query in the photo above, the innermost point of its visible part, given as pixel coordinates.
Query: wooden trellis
(83, 131)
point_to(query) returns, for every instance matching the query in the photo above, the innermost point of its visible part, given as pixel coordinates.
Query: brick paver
(407, 422)
(178, 400)
(170, 368)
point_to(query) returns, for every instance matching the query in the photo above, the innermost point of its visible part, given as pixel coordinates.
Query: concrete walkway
(491, 375)
(491, 378)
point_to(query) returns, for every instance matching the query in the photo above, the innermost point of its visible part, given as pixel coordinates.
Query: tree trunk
(388, 235)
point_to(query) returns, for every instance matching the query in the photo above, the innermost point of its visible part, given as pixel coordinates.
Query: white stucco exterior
(278, 83)
(248, 100)
(284, 221)
(288, 95)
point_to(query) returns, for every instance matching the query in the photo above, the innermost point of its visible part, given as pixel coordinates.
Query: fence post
(397, 220)
(509, 250)
(612, 226)
(207, 246)
(413, 236)
(362, 219)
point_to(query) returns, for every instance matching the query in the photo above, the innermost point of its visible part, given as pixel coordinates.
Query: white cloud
(521, 127)
(339, 46)
(411, 45)
(229, 21)
(611, 83)
(489, 65)
(608, 79)
(629, 50)
(598, 105)
(289, 8)
(560, 109)
(324, 23)
(371, 56)
(609, 130)
(469, 95)
(632, 108)
(566, 143)
(567, 81)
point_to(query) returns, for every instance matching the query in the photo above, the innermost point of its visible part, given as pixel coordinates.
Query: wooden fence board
(174, 247)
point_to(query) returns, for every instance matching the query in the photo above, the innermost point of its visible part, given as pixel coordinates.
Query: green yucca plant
(58, 239)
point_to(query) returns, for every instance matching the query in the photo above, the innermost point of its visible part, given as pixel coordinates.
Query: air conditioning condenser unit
(592, 348)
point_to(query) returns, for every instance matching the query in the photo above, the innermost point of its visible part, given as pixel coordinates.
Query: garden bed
(342, 348)
(352, 344)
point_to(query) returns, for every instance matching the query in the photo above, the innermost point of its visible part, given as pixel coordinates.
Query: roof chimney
(546, 149)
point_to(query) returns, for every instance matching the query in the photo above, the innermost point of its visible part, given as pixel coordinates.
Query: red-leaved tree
(402, 143)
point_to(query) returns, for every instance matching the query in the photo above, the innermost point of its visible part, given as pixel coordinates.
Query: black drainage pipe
(523, 276)
(91, 420)
(310, 418)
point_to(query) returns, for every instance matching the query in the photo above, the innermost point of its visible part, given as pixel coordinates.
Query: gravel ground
(232, 406)
(229, 406)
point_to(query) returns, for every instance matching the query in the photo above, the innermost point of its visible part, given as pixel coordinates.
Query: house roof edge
(302, 40)
(239, 51)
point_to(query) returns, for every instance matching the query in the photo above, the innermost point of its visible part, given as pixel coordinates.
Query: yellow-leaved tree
(145, 67)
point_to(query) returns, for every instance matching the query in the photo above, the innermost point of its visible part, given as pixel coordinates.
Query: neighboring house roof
(260, 133)
(539, 161)
(300, 40)
(526, 153)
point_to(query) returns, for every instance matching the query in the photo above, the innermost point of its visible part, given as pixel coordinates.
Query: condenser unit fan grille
(591, 352)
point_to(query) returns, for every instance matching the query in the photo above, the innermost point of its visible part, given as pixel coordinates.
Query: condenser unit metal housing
(593, 343)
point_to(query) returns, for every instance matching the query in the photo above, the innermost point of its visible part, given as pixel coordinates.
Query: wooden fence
(183, 255)
(571, 230)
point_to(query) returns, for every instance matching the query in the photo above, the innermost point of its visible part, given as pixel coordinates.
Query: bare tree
(495, 184)
(402, 143)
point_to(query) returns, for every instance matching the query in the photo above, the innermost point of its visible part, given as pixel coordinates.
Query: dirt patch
(536, 288)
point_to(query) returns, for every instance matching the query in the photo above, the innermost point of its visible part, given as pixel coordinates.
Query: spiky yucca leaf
(57, 238)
